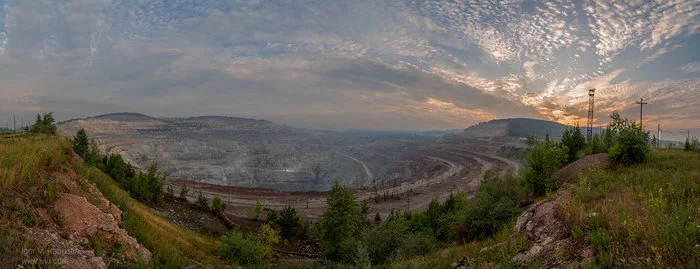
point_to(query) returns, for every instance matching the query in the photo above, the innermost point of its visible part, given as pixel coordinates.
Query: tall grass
(646, 215)
(29, 164)
(172, 245)
(28, 160)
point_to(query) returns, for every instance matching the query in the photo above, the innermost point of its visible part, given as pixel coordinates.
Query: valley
(245, 160)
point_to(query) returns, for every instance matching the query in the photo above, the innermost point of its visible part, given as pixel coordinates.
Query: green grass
(646, 215)
(643, 216)
(171, 244)
(498, 250)
(29, 166)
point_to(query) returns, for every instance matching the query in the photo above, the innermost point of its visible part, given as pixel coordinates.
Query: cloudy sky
(362, 64)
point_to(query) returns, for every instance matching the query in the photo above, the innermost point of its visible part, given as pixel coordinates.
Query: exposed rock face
(246, 152)
(67, 253)
(82, 220)
(546, 228)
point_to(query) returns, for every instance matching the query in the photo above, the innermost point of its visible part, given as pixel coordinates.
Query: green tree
(630, 142)
(340, 222)
(217, 204)
(272, 217)
(573, 139)
(544, 159)
(654, 141)
(202, 202)
(183, 192)
(288, 221)
(255, 215)
(81, 143)
(44, 125)
(497, 201)
(150, 185)
(244, 249)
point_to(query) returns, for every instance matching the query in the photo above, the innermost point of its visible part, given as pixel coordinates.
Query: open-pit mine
(245, 160)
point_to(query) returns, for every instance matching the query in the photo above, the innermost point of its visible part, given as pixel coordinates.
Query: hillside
(58, 211)
(642, 216)
(517, 127)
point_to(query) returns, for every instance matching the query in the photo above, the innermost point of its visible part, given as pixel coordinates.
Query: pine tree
(81, 143)
(573, 139)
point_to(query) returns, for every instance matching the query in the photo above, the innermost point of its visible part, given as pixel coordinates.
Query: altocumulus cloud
(360, 64)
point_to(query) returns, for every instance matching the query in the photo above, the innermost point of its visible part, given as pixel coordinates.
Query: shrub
(544, 159)
(44, 125)
(574, 141)
(170, 193)
(202, 202)
(148, 187)
(341, 221)
(244, 249)
(183, 192)
(691, 145)
(497, 201)
(289, 221)
(255, 215)
(217, 204)
(596, 145)
(271, 217)
(377, 217)
(630, 143)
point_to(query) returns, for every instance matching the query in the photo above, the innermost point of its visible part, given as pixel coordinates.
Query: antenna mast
(591, 94)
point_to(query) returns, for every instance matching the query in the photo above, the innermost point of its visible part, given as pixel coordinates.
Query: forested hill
(518, 127)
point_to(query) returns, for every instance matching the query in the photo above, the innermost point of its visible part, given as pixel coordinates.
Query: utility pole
(658, 135)
(14, 123)
(641, 104)
(591, 101)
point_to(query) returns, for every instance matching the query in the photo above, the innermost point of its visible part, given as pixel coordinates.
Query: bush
(44, 125)
(244, 249)
(691, 145)
(148, 187)
(271, 217)
(497, 201)
(545, 158)
(183, 193)
(340, 222)
(255, 215)
(574, 141)
(289, 221)
(202, 202)
(630, 144)
(596, 145)
(217, 204)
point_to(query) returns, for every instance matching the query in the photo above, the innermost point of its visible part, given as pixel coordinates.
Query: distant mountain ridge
(517, 127)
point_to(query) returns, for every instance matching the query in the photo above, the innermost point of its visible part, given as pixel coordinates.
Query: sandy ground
(465, 162)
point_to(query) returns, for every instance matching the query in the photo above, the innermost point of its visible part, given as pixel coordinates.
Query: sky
(415, 65)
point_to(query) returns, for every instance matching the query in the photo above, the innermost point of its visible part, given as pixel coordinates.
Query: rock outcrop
(81, 219)
(549, 235)
(547, 230)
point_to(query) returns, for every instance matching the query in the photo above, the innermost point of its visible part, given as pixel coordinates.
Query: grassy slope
(641, 216)
(28, 163)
